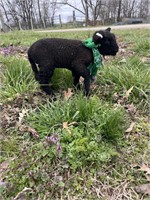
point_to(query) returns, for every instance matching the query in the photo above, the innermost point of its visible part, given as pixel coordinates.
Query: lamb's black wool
(51, 53)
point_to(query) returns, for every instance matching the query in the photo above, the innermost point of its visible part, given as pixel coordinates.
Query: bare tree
(2, 4)
(1, 22)
(45, 12)
(86, 9)
(119, 11)
(26, 6)
(12, 11)
(89, 7)
(39, 10)
(53, 10)
(144, 9)
(48, 11)
(128, 7)
(66, 2)
(17, 11)
(41, 13)
(95, 7)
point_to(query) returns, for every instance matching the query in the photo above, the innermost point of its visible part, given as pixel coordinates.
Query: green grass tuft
(142, 46)
(84, 143)
(122, 76)
(17, 77)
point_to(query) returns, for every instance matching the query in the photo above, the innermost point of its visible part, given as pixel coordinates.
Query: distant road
(117, 27)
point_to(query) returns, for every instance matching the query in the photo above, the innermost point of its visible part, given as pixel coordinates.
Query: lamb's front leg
(86, 85)
(76, 78)
(81, 70)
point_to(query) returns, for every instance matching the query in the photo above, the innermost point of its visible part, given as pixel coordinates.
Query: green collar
(93, 67)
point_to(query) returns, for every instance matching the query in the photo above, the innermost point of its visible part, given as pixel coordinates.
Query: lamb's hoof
(47, 90)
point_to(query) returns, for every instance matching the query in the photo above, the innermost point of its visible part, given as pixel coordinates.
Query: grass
(79, 110)
(17, 77)
(75, 147)
(123, 76)
(26, 38)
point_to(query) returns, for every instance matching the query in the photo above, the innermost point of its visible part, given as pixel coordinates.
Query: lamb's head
(107, 41)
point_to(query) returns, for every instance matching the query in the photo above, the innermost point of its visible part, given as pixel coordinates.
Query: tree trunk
(86, 14)
(119, 11)
(60, 21)
(2, 27)
(40, 15)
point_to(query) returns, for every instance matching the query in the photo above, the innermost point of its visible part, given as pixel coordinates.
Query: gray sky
(67, 11)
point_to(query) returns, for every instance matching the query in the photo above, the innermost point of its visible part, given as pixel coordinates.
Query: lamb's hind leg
(43, 77)
(34, 67)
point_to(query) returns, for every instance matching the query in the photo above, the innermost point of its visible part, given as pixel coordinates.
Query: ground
(70, 146)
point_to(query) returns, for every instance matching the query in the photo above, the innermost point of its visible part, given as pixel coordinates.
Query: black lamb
(47, 54)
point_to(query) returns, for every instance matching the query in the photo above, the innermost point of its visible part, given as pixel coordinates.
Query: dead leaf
(36, 100)
(72, 123)
(145, 59)
(33, 132)
(144, 188)
(65, 124)
(3, 166)
(115, 95)
(21, 116)
(129, 130)
(128, 92)
(123, 60)
(21, 195)
(145, 168)
(7, 118)
(147, 177)
(23, 128)
(131, 109)
(68, 94)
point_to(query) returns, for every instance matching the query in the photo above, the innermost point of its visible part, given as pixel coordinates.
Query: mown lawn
(71, 146)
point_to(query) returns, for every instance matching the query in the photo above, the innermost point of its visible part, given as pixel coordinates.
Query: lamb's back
(57, 51)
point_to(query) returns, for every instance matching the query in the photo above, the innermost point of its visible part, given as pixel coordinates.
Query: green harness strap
(93, 67)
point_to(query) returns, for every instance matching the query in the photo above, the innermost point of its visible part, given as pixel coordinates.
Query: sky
(66, 11)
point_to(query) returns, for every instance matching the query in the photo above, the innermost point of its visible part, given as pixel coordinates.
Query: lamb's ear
(97, 37)
(108, 29)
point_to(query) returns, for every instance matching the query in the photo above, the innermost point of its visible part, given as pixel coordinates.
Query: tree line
(31, 14)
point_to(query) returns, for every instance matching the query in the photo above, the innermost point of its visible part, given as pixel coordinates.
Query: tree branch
(68, 4)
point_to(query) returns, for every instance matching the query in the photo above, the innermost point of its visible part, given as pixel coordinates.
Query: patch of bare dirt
(14, 111)
(13, 50)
